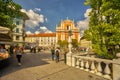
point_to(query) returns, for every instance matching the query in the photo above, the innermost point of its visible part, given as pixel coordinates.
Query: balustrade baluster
(82, 64)
(87, 66)
(99, 69)
(77, 63)
(107, 71)
(92, 67)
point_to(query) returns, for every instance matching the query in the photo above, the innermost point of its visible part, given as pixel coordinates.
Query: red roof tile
(42, 35)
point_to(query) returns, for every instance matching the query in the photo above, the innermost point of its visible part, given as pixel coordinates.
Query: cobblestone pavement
(40, 67)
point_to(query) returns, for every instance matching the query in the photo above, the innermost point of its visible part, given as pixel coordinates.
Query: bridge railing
(109, 69)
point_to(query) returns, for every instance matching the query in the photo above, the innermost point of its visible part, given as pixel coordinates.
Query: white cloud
(37, 32)
(43, 27)
(28, 32)
(49, 31)
(84, 24)
(87, 13)
(34, 18)
(37, 9)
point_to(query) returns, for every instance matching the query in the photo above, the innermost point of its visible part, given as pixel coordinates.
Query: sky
(46, 14)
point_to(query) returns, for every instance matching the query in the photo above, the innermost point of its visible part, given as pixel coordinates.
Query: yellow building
(42, 39)
(62, 33)
(62, 30)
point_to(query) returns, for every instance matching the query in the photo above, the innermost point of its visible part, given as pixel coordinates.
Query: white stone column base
(69, 59)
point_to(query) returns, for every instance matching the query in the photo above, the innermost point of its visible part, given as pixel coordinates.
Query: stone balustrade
(108, 69)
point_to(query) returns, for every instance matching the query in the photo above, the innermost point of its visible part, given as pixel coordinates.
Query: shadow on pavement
(28, 60)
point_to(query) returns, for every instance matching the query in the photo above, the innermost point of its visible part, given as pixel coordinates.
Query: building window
(68, 27)
(17, 37)
(17, 30)
(17, 22)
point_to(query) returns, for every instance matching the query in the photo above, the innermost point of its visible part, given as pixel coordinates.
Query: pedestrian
(31, 48)
(22, 49)
(53, 53)
(39, 49)
(18, 53)
(11, 49)
(57, 51)
(34, 49)
(2, 49)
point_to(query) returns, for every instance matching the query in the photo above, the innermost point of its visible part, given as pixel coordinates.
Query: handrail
(98, 59)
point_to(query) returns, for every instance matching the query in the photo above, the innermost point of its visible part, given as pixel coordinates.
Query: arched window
(68, 27)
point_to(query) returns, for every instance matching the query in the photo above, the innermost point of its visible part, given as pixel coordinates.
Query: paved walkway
(40, 67)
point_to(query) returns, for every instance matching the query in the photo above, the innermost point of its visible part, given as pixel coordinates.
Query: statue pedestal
(69, 59)
(116, 68)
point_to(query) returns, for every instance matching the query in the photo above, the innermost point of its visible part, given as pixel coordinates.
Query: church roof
(65, 21)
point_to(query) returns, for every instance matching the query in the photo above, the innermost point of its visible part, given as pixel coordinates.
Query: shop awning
(5, 38)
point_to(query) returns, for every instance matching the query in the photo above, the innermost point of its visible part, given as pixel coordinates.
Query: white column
(107, 71)
(87, 66)
(82, 64)
(69, 59)
(92, 67)
(116, 68)
(77, 63)
(69, 54)
(99, 69)
(74, 61)
(70, 45)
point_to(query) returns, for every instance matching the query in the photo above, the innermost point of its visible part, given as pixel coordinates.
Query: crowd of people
(17, 51)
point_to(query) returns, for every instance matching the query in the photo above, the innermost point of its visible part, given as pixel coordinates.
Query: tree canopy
(8, 11)
(64, 43)
(104, 26)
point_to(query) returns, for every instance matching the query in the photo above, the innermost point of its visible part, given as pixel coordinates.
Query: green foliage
(87, 35)
(63, 43)
(8, 11)
(74, 43)
(104, 26)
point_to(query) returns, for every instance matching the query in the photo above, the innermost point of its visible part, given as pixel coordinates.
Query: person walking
(11, 49)
(18, 53)
(57, 51)
(53, 53)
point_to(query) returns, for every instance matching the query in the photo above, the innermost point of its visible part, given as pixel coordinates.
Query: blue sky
(48, 13)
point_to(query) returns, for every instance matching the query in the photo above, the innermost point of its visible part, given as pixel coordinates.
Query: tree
(104, 30)
(63, 44)
(8, 11)
(75, 43)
